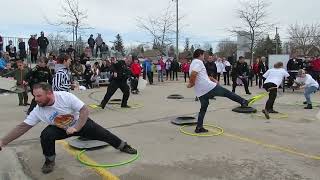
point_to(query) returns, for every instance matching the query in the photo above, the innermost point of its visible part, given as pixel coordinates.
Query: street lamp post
(177, 30)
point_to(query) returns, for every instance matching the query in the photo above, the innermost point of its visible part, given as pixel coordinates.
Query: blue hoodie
(3, 63)
(147, 65)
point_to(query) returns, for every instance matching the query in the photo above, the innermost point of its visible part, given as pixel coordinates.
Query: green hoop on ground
(135, 157)
(209, 134)
(273, 115)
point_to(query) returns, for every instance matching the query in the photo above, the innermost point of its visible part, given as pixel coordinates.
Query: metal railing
(53, 46)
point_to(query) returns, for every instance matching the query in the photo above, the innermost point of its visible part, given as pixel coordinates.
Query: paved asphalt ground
(252, 148)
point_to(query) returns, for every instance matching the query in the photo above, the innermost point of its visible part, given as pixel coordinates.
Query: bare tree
(160, 28)
(304, 38)
(226, 48)
(73, 18)
(253, 15)
(55, 42)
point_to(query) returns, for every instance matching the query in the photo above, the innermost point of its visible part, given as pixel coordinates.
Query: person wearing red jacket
(136, 71)
(33, 46)
(255, 68)
(315, 67)
(160, 69)
(185, 69)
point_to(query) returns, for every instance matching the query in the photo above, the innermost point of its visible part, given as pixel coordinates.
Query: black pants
(250, 81)
(291, 78)
(23, 98)
(34, 57)
(186, 74)
(272, 89)
(98, 48)
(91, 48)
(90, 130)
(261, 80)
(175, 74)
(88, 82)
(226, 78)
(244, 81)
(168, 73)
(134, 83)
(217, 91)
(148, 74)
(112, 88)
(43, 52)
(218, 76)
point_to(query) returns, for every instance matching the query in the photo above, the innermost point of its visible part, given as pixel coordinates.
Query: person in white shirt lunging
(274, 78)
(310, 86)
(67, 116)
(207, 87)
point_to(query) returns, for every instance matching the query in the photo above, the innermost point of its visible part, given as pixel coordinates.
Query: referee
(62, 79)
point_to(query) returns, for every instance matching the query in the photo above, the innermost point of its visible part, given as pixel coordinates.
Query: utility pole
(177, 33)
(277, 40)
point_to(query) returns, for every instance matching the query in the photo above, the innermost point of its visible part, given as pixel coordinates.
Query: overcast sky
(204, 20)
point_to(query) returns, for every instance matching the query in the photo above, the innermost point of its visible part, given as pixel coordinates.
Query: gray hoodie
(99, 40)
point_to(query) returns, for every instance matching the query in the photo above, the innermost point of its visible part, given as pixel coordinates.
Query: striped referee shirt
(61, 80)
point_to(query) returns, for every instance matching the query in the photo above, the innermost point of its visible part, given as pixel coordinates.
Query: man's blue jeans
(308, 91)
(217, 91)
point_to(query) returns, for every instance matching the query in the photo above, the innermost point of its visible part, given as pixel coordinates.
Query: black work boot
(266, 113)
(200, 130)
(48, 166)
(125, 106)
(101, 106)
(309, 106)
(273, 111)
(244, 104)
(128, 149)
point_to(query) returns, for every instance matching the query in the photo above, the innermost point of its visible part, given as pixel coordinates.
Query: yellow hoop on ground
(216, 133)
(132, 106)
(273, 115)
(94, 106)
(257, 98)
(118, 106)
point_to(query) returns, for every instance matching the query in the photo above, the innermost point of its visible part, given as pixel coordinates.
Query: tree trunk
(251, 46)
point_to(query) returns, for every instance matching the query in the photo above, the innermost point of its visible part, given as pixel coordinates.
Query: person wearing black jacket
(22, 49)
(91, 43)
(240, 70)
(293, 66)
(119, 75)
(11, 49)
(263, 68)
(87, 75)
(43, 43)
(40, 73)
(211, 67)
(175, 68)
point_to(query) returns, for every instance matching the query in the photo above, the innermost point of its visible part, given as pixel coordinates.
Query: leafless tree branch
(253, 15)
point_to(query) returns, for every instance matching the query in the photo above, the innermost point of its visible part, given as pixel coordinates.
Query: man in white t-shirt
(309, 84)
(274, 78)
(67, 116)
(207, 87)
